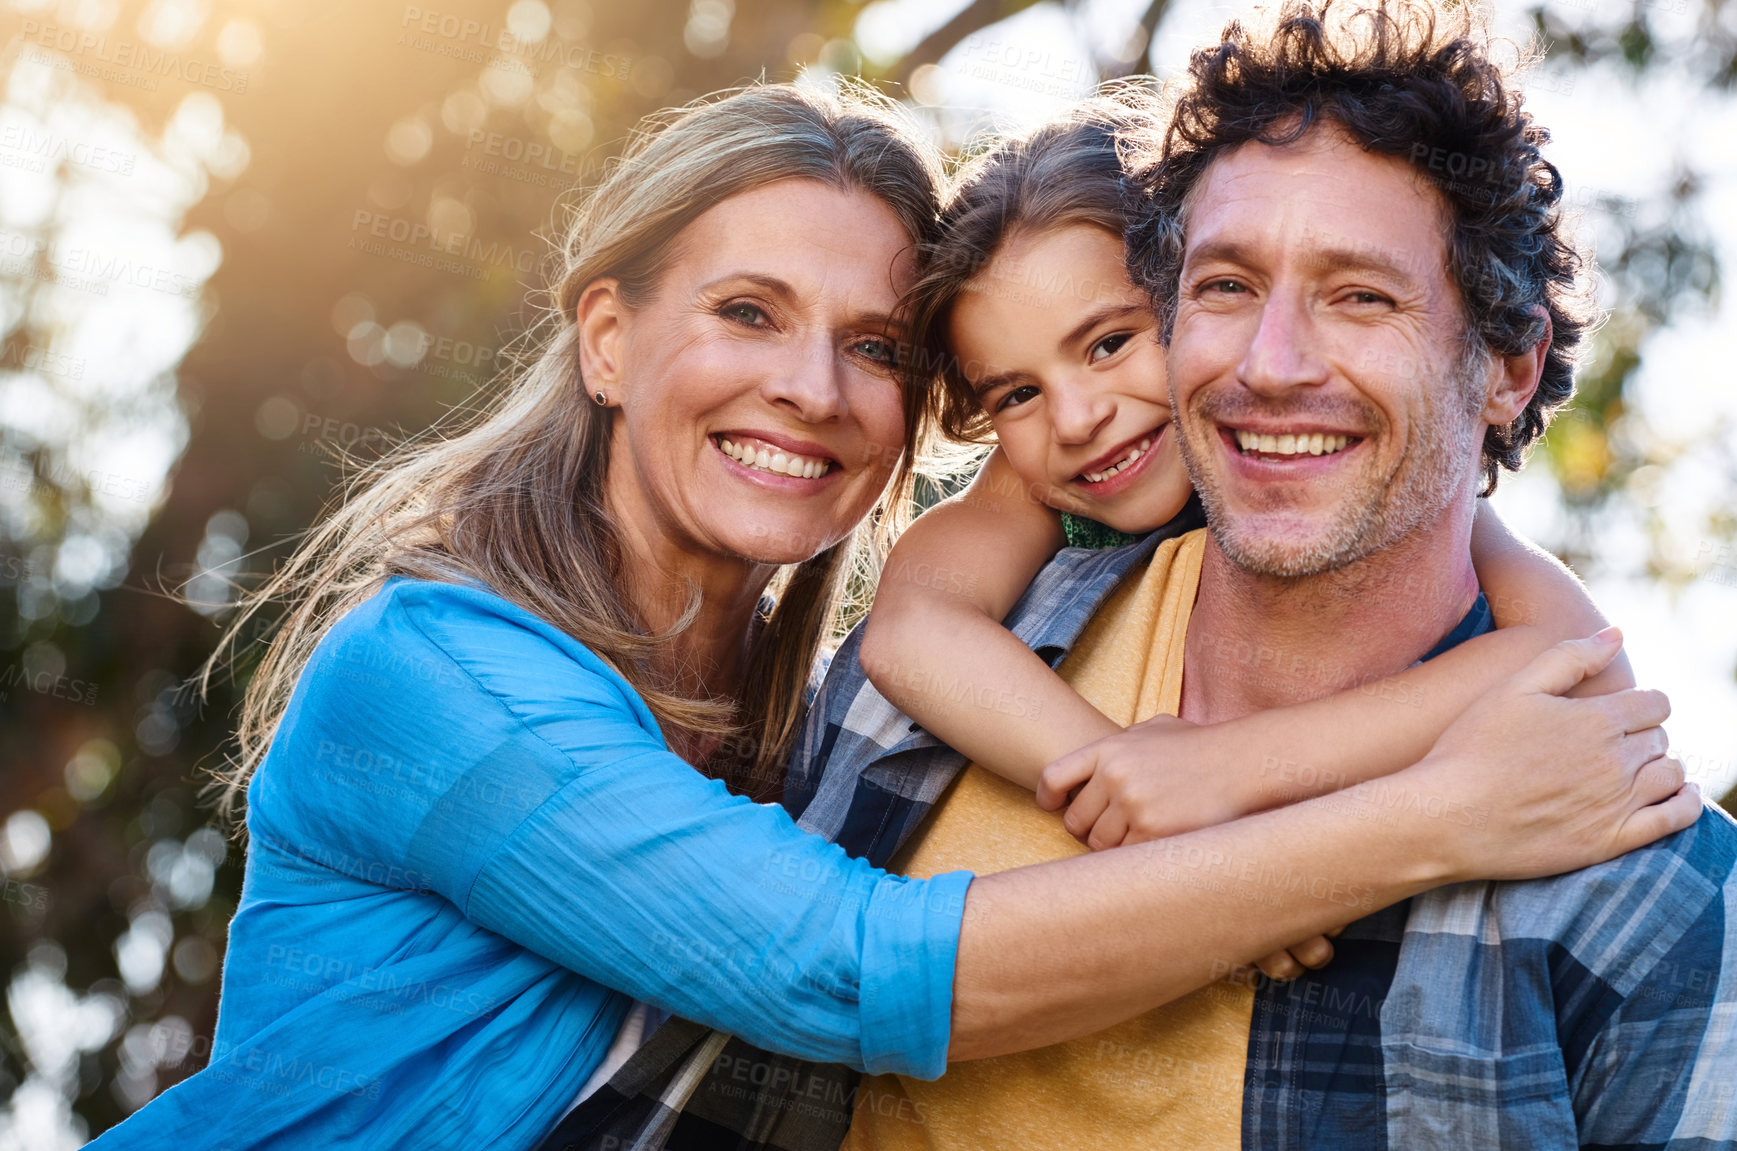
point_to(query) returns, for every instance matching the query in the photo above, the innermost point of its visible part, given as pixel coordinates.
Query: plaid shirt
(1596, 1009)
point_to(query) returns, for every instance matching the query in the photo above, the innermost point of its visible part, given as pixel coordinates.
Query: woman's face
(760, 414)
(1063, 351)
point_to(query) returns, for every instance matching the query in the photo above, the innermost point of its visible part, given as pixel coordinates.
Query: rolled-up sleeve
(543, 803)
(907, 1000)
(652, 880)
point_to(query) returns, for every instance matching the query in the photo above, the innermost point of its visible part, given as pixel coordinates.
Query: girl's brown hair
(1068, 171)
(514, 497)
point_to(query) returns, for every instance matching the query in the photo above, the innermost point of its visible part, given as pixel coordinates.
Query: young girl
(1045, 342)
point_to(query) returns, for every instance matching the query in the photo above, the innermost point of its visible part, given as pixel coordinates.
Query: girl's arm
(1532, 593)
(934, 644)
(1168, 776)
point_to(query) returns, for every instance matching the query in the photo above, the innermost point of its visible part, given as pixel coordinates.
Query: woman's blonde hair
(514, 496)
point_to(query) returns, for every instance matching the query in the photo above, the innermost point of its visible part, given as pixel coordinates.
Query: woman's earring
(602, 400)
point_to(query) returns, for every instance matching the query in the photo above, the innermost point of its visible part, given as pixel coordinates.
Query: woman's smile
(769, 459)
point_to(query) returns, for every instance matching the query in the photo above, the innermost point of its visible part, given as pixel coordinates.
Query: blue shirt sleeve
(444, 740)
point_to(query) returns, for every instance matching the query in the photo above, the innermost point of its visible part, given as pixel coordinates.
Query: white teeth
(774, 461)
(1133, 455)
(1292, 444)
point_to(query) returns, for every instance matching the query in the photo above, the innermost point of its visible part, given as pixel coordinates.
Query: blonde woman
(481, 859)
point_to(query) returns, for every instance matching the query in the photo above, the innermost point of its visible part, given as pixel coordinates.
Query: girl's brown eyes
(1109, 346)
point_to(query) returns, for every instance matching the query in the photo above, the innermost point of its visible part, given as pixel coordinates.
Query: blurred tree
(361, 191)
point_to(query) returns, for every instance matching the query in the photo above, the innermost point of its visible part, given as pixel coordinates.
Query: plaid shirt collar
(1594, 1009)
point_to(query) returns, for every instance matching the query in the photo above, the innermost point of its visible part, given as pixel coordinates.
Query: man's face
(1315, 367)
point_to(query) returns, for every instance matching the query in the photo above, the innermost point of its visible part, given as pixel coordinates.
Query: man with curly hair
(1351, 236)
(1371, 309)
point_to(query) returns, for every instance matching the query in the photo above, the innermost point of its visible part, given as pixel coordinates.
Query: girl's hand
(1528, 783)
(1289, 963)
(1156, 779)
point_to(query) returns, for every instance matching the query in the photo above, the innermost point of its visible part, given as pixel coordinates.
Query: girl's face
(760, 411)
(1063, 351)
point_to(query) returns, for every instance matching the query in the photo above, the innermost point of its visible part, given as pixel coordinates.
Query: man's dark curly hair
(1413, 80)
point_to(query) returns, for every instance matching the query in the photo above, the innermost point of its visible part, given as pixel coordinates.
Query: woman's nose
(808, 382)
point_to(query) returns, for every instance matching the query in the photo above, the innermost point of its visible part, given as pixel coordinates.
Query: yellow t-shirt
(1171, 1078)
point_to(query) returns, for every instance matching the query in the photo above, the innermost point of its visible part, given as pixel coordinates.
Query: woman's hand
(1156, 779)
(1542, 784)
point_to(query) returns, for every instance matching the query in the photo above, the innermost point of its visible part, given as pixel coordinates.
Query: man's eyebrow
(1342, 259)
(1099, 316)
(1361, 259)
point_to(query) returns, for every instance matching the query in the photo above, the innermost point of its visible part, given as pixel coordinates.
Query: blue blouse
(470, 850)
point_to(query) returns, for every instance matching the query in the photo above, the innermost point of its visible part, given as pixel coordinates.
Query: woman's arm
(934, 644)
(1052, 952)
(1167, 776)
(544, 807)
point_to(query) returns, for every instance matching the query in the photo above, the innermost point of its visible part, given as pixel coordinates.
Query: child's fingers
(1280, 965)
(1084, 812)
(1312, 953)
(1061, 777)
(1109, 831)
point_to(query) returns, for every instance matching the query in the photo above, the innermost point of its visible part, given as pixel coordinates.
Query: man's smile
(1288, 451)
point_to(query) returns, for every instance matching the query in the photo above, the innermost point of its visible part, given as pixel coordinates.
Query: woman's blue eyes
(882, 351)
(748, 314)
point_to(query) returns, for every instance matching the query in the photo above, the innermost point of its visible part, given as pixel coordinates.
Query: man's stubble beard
(1430, 474)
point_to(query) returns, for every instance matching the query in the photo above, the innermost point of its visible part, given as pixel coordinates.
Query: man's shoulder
(1615, 919)
(1686, 867)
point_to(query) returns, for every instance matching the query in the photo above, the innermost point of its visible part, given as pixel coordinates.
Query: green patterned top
(1084, 533)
